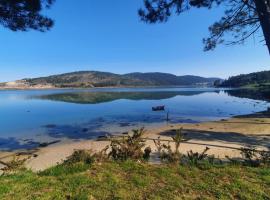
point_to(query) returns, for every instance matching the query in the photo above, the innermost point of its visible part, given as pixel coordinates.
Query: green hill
(256, 79)
(105, 79)
(156, 78)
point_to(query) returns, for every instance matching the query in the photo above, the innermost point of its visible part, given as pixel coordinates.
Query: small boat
(158, 108)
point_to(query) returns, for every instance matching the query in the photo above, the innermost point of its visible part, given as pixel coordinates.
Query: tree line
(257, 78)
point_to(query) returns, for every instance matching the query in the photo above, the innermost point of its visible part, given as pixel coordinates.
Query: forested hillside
(255, 79)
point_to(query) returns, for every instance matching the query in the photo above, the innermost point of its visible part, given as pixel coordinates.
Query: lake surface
(30, 117)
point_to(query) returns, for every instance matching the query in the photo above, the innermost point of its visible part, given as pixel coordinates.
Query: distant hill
(156, 78)
(86, 79)
(256, 79)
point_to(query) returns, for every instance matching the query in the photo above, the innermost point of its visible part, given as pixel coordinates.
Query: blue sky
(108, 36)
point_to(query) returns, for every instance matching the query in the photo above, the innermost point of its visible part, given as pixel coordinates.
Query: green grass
(131, 180)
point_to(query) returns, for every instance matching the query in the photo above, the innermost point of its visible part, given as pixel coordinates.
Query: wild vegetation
(130, 147)
(122, 172)
(256, 79)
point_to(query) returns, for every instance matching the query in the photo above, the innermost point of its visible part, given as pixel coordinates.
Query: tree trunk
(263, 9)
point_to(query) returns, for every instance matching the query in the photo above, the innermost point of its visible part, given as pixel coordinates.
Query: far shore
(107, 87)
(224, 138)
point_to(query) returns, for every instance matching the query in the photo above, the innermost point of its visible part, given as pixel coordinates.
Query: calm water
(30, 117)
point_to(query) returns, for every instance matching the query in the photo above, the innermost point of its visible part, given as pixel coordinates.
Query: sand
(224, 138)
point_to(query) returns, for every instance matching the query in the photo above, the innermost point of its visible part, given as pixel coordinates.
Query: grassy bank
(122, 171)
(132, 180)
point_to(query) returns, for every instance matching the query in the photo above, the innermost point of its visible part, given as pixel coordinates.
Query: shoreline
(109, 87)
(223, 137)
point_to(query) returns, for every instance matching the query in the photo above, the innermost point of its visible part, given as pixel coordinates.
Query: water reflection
(256, 94)
(102, 97)
(87, 97)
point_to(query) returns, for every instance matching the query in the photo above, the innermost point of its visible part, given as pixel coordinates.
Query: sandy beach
(224, 138)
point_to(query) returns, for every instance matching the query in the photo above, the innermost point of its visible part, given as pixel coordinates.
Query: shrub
(177, 139)
(147, 152)
(14, 165)
(130, 147)
(196, 158)
(80, 156)
(265, 157)
(253, 157)
(165, 151)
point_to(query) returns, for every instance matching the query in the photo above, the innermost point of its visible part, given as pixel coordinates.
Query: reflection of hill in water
(256, 94)
(101, 97)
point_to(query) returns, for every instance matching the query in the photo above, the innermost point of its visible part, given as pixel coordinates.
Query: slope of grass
(131, 180)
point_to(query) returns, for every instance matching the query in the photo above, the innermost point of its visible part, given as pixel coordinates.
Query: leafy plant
(177, 139)
(14, 165)
(147, 152)
(168, 155)
(84, 156)
(253, 157)
(166, 152)
(130, 147)
(265, 157)
(196, 158)
(250, 156)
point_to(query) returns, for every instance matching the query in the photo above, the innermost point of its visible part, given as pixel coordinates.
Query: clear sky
(108, 36)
